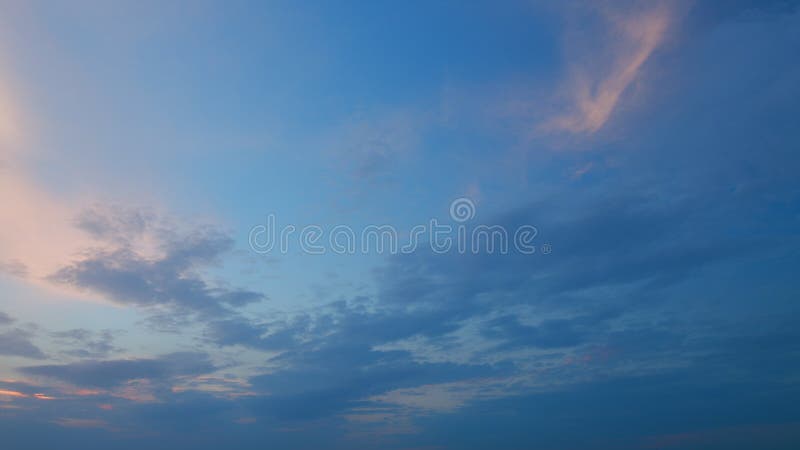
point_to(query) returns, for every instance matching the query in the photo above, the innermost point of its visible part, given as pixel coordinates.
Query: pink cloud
(8, 394)
(594, 90)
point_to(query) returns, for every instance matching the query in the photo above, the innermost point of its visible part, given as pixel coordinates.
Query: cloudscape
(399, 225)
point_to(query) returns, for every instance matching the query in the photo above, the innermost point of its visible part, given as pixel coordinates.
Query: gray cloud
(112, 373)
(17, 342)
(5, 319)
(84, 343)
(14, 268)
(116, 223)
(125, 276)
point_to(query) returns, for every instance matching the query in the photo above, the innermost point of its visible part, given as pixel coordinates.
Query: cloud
(542, 321)
(81, 423)
(37, 234)
(115, 373)
(11, 121)
(84, 343)
(17, 342)
(113, 223)
(5, 319)
(527, 322)
(247, 333)
(550, 333)
(124, 275)
(326, 379)
(595, 88)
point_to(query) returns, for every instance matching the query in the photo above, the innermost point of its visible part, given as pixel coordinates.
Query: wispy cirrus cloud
(600, 75)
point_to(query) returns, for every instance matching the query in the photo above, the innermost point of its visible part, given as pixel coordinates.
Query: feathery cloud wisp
(593, 97)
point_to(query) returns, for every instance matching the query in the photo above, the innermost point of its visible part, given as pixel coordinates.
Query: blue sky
(652, 146)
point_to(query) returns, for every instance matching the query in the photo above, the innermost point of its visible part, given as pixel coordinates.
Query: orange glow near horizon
(14, 394)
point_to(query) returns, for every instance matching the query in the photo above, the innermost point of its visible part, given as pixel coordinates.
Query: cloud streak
(116, 373)
(594, 96)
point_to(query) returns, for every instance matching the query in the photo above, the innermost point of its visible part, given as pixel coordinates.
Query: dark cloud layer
(113, 373)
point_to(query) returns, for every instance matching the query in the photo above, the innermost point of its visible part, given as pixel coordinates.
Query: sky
(399, 225)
